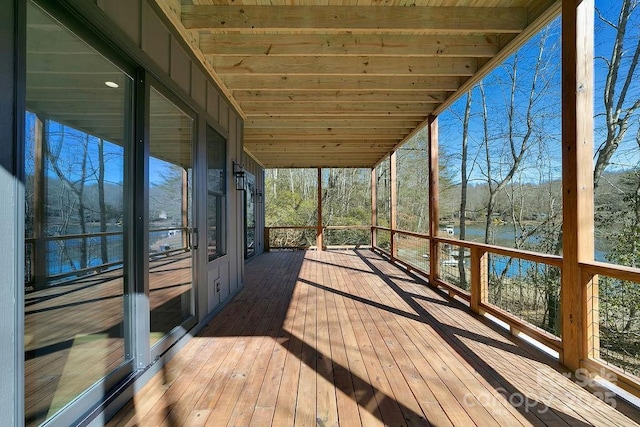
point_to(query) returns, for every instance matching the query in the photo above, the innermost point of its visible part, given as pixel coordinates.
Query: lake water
(504, 236)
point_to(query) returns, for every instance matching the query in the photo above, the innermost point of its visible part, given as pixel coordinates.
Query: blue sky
(545, 161)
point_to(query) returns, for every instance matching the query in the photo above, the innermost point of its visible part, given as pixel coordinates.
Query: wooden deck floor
(345, 338)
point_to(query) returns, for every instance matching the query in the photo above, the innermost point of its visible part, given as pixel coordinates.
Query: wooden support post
(479, 278)
(374, 207)
(577, 178)
(434, 211)
(319, 236)
(267, 241)
(393, 203)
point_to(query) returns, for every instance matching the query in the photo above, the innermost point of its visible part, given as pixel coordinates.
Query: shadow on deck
(345, 338)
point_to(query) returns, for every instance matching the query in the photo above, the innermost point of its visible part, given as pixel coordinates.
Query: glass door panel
(170, 216)
(76, 142)
(216, 191)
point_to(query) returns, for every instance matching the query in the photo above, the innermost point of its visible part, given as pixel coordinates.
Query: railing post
(374, 207)
(393, 205)
(267, 241)
(393, 250)
(319, 230)
(479, 278)
(434, 211)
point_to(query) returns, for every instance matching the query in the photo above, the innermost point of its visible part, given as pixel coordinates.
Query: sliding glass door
(86, 266)
(171, 234)
(77, 143)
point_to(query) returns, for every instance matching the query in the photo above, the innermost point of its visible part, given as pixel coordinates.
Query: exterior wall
(11, 213)
(137, 31)
(149, 39)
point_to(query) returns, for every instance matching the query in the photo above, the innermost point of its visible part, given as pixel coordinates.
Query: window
(216, 191)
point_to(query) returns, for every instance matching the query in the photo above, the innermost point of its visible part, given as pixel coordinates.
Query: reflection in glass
(75, 143)
(216, 184)
(170, 218)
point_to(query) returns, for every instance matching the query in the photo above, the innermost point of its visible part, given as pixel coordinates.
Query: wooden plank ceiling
(341, 84)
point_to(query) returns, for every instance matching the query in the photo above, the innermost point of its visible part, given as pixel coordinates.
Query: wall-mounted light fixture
(239, 175)
(258, 196)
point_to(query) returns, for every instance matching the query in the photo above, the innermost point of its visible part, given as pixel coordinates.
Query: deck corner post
(577, 177)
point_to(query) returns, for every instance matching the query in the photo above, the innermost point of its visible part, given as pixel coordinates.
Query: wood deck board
(536, 379)
(345, 338)
(462, 384)
(465, 356)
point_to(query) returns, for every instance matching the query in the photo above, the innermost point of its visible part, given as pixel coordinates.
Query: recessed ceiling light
(111, 84)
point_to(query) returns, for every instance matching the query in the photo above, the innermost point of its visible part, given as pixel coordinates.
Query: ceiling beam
(339, 96)
(329, 122)
(311, 134)
(330, 82)
(322, 65)
(337, 108)
(353, 152)
(349, 44)
(328, 143)
(324, 161)
(458, 20)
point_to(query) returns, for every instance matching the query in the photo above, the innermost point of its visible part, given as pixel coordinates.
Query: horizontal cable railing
(291, 237)
(347, 236)
(520, 288)
(614, 310)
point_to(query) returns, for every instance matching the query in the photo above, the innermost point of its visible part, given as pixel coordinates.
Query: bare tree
(464, 183)
(619, 110)
(75, 186)
(518, 142)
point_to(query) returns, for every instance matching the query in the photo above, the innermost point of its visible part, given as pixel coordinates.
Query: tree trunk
(464, 181)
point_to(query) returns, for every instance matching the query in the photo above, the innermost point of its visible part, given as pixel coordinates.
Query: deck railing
(521, 290)
(305, 236)
(55, 260)
(517, 287)
(614, 310)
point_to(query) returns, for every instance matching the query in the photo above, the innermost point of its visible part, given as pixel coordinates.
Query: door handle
(192, 241)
